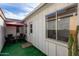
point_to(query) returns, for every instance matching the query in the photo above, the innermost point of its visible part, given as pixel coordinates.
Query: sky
(17, 10)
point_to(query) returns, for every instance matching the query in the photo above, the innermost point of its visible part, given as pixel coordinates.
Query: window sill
(64, 44)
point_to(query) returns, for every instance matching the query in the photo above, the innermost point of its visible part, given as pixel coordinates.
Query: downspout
(56, 30)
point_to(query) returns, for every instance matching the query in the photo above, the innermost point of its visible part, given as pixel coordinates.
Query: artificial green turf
(15, 49)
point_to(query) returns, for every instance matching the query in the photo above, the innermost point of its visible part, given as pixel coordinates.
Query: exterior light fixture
(74, 14)
(59, 19)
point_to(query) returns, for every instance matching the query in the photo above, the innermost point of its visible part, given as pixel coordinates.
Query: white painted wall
(2, 40)
(11, 30)
(38, 39)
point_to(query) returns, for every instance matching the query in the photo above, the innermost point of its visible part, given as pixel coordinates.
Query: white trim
(64, 44)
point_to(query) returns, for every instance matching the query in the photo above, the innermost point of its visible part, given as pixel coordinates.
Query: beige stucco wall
(38, 37)
(78, 16)
(78, 25)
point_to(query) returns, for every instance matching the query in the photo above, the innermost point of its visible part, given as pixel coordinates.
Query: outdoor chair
(10, 38)
(22, 37)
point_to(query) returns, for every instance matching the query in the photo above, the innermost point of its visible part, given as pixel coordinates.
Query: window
(58, 23)
(17, 29)
(51, 26)
(63, 29)
(26, 28)
(51, 29)
(30, 28)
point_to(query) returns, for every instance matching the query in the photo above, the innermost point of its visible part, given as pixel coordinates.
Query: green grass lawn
(15, 49)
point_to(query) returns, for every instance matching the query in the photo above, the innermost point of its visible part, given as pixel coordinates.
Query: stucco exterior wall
(38, 37)
(78, 25)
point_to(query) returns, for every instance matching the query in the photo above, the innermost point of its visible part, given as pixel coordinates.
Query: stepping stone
(25, 45)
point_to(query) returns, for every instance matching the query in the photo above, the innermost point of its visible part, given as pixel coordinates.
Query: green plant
(70, 43)
(72, 46)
